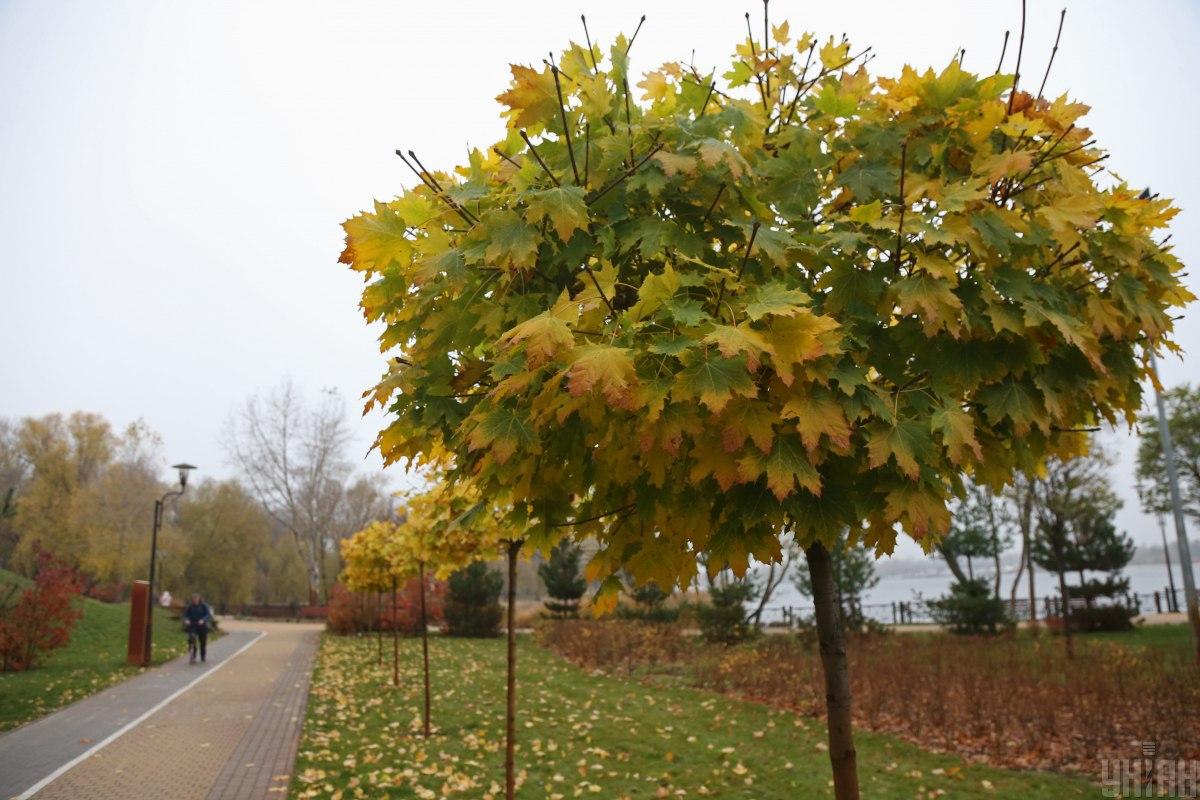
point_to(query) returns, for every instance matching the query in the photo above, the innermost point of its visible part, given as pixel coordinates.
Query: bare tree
(293, 457)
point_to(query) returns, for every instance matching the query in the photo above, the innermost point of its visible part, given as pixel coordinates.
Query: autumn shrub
(349, 612)
(1008, 700)
(407, 616)
(472, 605)
(724, 619)
(40, 618)
(649, 605)
(616, 644)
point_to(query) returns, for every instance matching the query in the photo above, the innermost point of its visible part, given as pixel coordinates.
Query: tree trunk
(1065, 612)
(510, 786)
(395, 639)
(842, 755)
(952, 563)
(1012, 595)
(379, 623)
(424, 642)
(1033, 618)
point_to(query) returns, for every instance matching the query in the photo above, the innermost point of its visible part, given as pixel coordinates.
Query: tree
(222, 530)
(63, 455)
(853, 572)
(13, 474)
(806, 300)
(293, 457)
(979, 528)
(1074, 501)
(564, 584)
(1183, 417)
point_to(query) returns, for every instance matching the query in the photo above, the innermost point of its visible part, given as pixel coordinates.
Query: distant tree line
(76, 486)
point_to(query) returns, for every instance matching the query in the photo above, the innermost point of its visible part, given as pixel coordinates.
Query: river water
(1144, 579)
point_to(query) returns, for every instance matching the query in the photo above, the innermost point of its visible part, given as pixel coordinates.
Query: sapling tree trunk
(842, 755)
(510, 786)
(379, 622)
(395, 639)
(424, 642)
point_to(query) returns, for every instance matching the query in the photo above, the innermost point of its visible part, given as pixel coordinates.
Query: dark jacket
(196, 613)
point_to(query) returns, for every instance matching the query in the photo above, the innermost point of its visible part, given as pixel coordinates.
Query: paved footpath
(227, 730)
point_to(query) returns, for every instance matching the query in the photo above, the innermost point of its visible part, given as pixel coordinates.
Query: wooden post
(1157, 603)
(510, 787)
(842, 755)
(424, 642)
(395, 639)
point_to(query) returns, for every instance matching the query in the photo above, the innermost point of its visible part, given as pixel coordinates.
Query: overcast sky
(173, 175)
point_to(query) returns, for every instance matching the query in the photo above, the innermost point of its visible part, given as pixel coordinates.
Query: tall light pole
(1185, 554)
(184, 469)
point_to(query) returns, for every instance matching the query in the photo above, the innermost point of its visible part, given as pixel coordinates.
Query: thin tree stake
(1012, 94)
(713, 204)
(628, 123)
(1049, 64)
(903, 204)
(455, 207)
(1003, 50)
(533, 150)
(588, 37)
(635, 33)
(741, 268)
(562, 110)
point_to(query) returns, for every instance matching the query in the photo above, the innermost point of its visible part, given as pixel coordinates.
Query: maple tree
(372, 563)
(684, 320)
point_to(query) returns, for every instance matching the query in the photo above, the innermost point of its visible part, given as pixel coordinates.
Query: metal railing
(917, 611)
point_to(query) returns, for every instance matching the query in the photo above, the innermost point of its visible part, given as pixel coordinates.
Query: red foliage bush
(359, 612)
(108, 592)
(42, 617)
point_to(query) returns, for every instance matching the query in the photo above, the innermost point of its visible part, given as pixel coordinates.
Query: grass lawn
(584, 734)
(93, 660)
(1176, 637)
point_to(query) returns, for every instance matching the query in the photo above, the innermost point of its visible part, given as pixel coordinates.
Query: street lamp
(183, 469)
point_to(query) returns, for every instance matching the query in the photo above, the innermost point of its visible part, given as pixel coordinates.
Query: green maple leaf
(1011, 400)
(785, 466)
(776, 298)
(715, 380)
(564, 206)
(510, 241)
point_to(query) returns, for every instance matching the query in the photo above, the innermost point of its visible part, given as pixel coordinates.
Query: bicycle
(194, 632)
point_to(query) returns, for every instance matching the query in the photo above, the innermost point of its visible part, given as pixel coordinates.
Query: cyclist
(197, 617)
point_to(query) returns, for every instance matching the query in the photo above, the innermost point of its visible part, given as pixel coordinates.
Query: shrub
(649, 605)
(348, 612)
(613, 645)
(724, 618)
(359, 612)
(1102, 618)
(563, 581)
(473, 601)
(970, 608)
(407, 617)
(41, 617)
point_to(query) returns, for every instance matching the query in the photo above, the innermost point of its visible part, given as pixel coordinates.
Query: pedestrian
(197, 617)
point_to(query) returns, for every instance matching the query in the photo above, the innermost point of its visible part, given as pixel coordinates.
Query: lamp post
(159, 504)
(1185, 554)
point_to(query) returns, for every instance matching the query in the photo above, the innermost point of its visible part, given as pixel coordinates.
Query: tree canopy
(682, 319)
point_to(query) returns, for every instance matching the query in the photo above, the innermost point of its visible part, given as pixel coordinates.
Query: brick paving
(232, 736)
